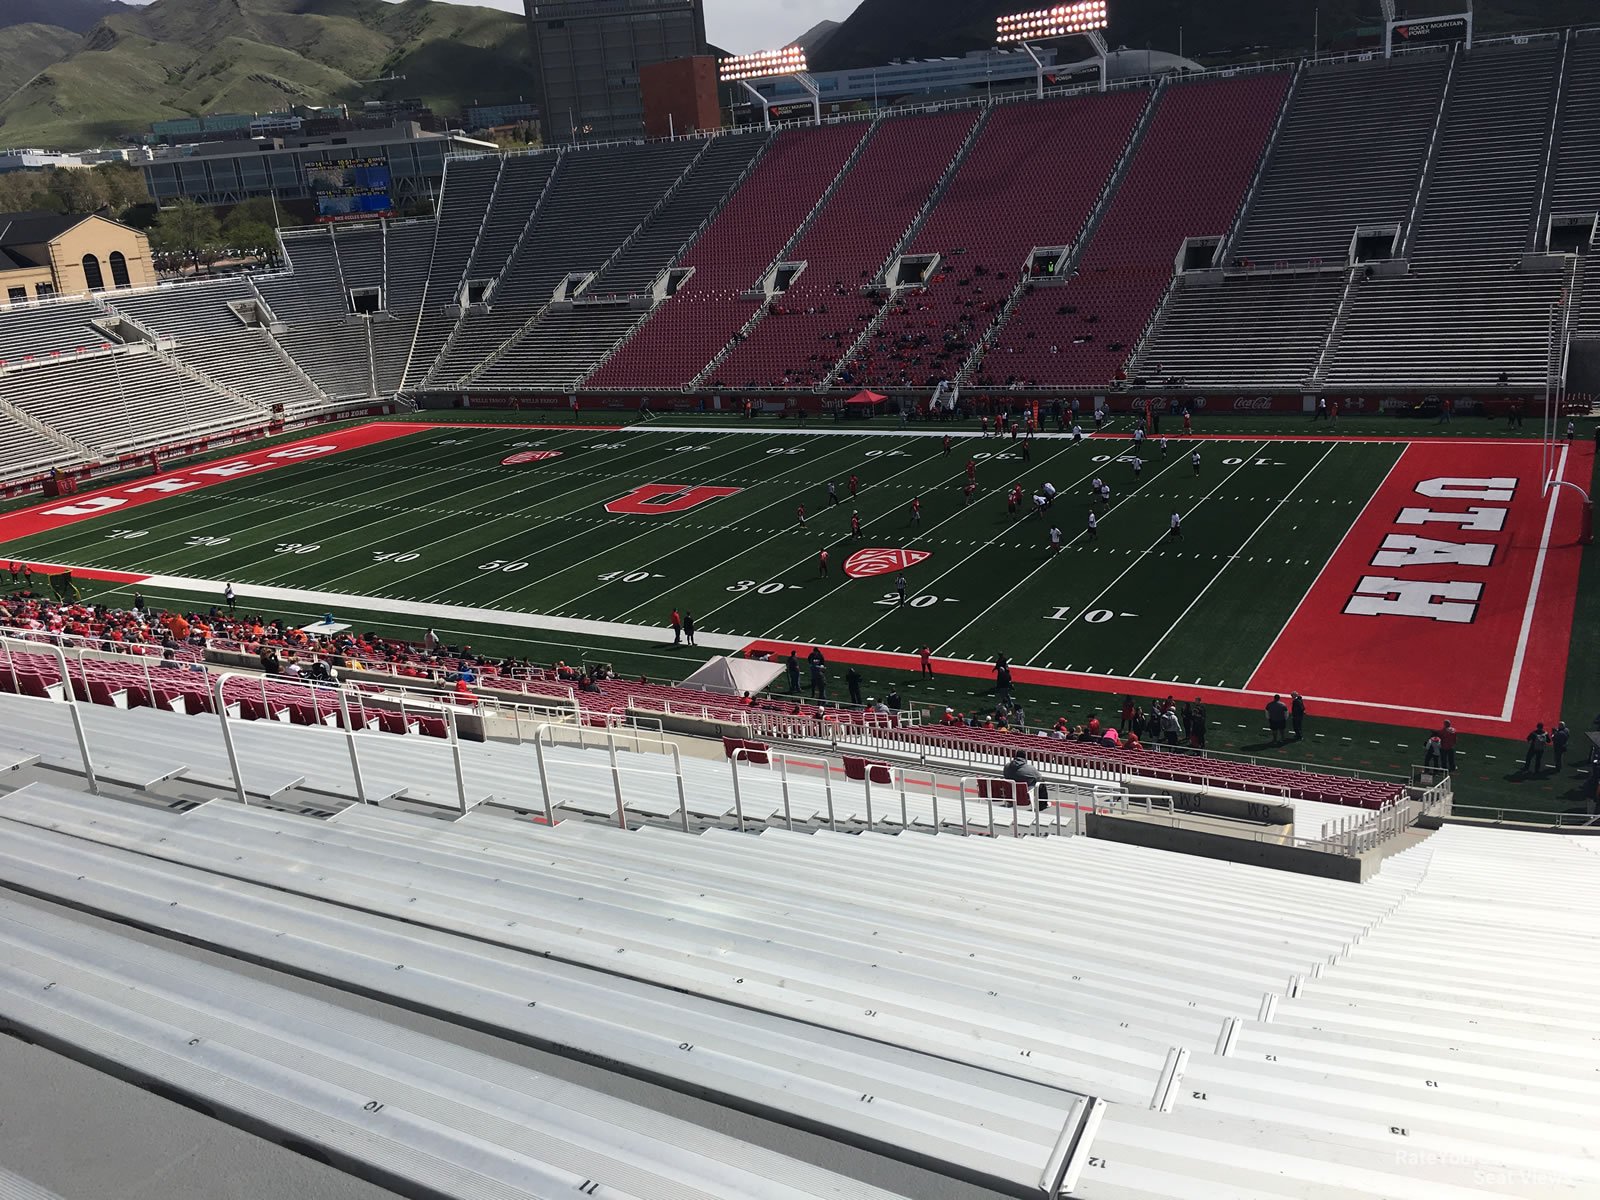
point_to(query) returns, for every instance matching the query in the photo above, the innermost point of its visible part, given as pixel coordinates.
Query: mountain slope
(25, 50)
(881, 30)
(181, 57)
(76, 15)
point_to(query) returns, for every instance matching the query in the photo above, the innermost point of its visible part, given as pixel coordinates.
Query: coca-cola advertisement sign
(1253, 404)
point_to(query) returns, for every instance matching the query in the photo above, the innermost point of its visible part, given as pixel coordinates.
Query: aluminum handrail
(66, 697)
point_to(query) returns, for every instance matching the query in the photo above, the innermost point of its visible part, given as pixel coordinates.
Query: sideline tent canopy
(866, 398)
(734, 676)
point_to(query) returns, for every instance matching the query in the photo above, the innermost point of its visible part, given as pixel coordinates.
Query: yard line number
(760, 589)
(892, 600)
(395, 556)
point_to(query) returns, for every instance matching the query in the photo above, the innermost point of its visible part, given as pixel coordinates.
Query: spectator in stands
(1020, 770)
(1171, 726)
(1277, 719)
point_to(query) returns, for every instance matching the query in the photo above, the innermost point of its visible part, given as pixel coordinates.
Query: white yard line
(1137, 559)
(1029, 468)
(617, 520)
(1533, 591)
(1232, 558)
(1049, 558)
(443, 613)
(879, 485)
(821, 480)
(1361, 516)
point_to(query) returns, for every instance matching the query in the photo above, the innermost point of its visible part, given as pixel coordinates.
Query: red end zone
(53, 514)
(1451, 596)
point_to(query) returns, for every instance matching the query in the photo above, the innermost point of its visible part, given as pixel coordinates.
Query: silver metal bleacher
(381, 1102)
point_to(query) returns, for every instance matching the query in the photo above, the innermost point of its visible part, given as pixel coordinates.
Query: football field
(1383, 576)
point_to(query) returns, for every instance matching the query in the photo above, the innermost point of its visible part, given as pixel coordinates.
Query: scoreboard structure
(350, 189)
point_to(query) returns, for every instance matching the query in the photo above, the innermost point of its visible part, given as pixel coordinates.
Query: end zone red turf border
(53, 514)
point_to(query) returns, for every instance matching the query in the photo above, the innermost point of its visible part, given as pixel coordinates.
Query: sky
(740, 26)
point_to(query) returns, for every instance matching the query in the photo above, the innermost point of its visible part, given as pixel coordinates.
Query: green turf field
(435, 518)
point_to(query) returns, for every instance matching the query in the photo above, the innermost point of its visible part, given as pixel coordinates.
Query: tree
(186, 230)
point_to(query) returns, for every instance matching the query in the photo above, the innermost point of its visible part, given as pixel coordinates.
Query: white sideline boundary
(649, 633)
(1533, 591)
(439, 613)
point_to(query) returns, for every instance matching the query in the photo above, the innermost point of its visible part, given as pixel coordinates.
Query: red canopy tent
(872, 398)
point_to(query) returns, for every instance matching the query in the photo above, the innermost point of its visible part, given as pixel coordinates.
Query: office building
(588, 54)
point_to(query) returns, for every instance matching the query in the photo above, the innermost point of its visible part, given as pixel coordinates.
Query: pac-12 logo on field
(659, 499)
(864, 564)
(529, 456)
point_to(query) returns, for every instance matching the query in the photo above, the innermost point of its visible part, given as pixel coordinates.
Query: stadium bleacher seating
(596, 199)
(36, 331)
(566, 343)
(463, 205)
(806, 330)
(993, 213)
(26, 452)
(702, 191)
(1083, 332)
(1469, 311)
(685, 333)
(126, 400)
(406, 246)
(1575, 175)
(1349, 155)
(210, 336)
(318, 328)
(976, 991)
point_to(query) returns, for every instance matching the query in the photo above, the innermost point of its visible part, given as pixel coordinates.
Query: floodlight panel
(764, 64)
(1057, 21)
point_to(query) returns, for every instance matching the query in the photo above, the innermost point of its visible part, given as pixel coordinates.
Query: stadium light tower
(788, 63)
(1084, 19)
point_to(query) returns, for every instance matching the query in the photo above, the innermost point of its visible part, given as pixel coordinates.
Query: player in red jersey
(927, 661)
(822, 562)
(855, 483)
(800, 511)
(947, 443)
(972, 470)
(916, 510)
(855, 525)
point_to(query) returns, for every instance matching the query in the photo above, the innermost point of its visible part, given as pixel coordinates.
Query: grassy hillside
(881, 30)
(25, 50)
(179, 57)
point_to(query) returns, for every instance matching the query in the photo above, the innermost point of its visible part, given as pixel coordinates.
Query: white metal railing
(547, 736)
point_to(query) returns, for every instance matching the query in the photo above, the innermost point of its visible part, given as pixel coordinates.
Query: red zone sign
(864, 564)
